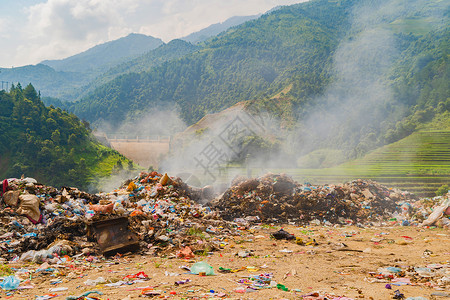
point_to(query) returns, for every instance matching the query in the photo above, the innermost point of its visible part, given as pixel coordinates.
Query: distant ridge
(103, 56)
(215, 29)
(62, 78)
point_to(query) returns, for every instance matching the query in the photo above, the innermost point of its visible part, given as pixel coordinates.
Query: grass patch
(194, 231)
(5, 270)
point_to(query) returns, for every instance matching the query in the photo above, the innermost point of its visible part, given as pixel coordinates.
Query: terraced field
(419, 163)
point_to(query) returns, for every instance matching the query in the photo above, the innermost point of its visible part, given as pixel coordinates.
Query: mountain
(173, 50)
(49, 144)
(65, 78)
(348, 74)
(217, 28)
(102, 57)
(245, 62)
(73, 77)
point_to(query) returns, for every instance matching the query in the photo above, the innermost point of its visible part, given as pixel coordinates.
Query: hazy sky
(34, 30)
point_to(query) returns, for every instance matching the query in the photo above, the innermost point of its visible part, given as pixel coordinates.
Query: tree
(56, 137)
(119, 165)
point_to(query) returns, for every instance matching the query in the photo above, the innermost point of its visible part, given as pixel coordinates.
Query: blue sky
(34, 30)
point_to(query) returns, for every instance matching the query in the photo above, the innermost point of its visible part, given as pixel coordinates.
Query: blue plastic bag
(10, 283)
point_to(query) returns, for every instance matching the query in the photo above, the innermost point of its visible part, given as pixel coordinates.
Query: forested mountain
(166, 52)
(49, 144)
(215, 29)
(65, 78)
(73, 77)
(257, 57)
(353, 73)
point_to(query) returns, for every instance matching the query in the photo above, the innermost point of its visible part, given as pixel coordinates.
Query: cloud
(4, 23)
(56, 29)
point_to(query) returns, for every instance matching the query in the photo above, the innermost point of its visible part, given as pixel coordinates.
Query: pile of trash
(41, 223)
(160, 214)
(277, 198)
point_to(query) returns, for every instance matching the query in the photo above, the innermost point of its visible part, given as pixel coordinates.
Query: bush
(442, 190)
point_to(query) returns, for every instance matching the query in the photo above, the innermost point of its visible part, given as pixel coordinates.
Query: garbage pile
(277, 198)
(158, 214)
(41, 223)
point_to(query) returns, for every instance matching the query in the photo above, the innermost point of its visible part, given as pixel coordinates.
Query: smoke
(150, 123)
(213, 150)
(355, 103)
(346, 121)
(359, 105)
(345, 118)
(113, 182)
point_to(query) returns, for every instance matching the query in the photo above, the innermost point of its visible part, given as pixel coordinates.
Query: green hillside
(419, 163)
(49, 144)
(173, 50)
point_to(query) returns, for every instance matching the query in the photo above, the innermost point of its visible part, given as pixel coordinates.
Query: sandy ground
(306, 269)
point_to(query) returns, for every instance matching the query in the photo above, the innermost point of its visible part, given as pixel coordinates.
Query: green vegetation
(197, 232)
(49, 144)
(442, 190)
(5, 270)
(173, 50)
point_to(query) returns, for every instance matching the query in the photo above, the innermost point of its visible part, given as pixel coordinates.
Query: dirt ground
(328, 267)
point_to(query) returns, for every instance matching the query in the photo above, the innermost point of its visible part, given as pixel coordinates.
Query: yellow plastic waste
(131, 187)
(165, 179)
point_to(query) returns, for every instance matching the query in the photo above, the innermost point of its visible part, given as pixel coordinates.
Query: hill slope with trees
(49, 144)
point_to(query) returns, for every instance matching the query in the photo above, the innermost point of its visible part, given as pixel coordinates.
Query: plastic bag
(94, 282)
(437, 213)
(29, 205)
(11, 198)
(10, 283)
(35, 256)
(202, 267)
